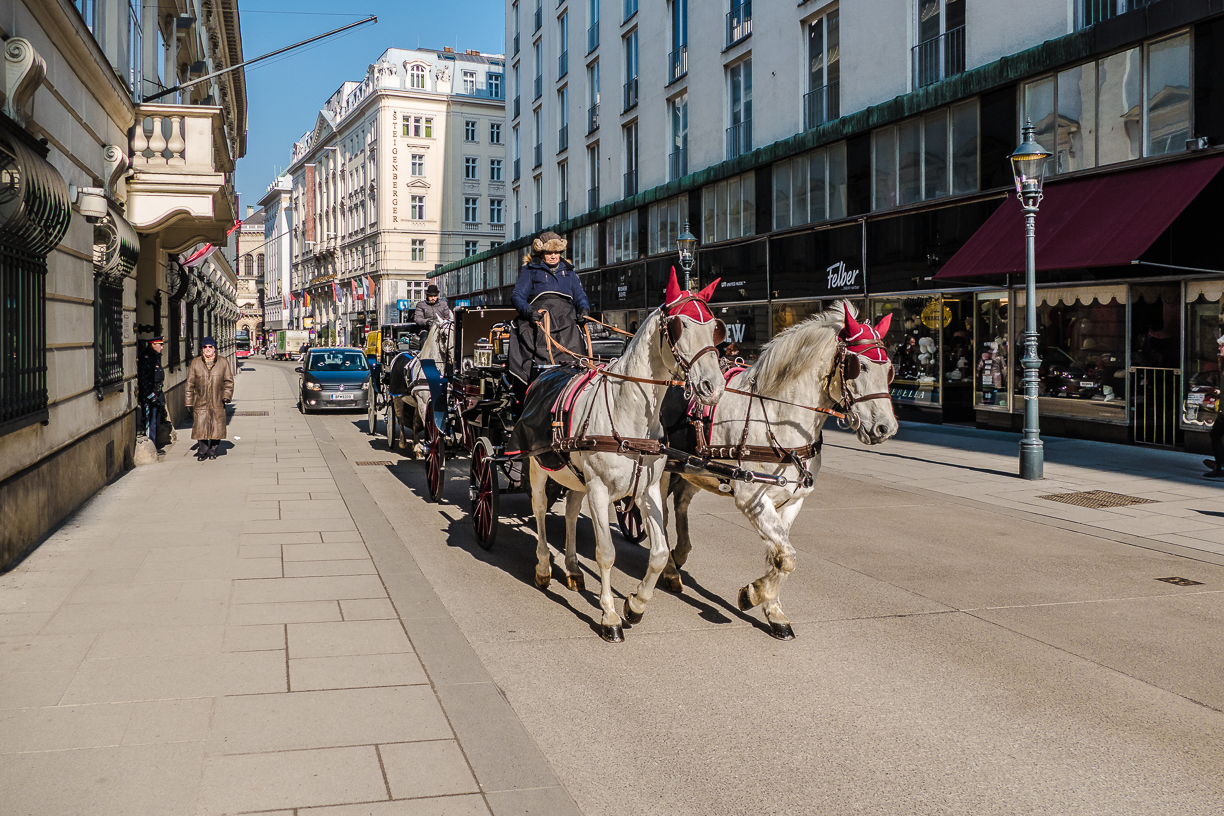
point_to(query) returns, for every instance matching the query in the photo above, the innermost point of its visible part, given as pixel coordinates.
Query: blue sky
(285, 93)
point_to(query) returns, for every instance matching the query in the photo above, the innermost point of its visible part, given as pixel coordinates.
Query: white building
(251, 263)
(821, 150)
(404, 171)
(104, 190)
(277, 236)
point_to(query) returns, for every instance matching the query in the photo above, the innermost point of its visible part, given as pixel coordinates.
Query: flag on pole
(339, 298)
(369, 287)
(356, 291)
(306, 299)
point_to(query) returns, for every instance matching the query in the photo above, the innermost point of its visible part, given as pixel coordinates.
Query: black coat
(149, 375)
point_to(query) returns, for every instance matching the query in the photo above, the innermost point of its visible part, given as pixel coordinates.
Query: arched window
(416, 76)
(250, 266)
(259, 264)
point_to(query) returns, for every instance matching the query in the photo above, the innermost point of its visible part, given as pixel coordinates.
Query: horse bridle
(847, 366)
(673, 328)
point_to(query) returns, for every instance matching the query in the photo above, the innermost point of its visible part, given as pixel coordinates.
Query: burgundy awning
(1097, 221)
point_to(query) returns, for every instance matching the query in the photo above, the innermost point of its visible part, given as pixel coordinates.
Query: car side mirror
(298, 369)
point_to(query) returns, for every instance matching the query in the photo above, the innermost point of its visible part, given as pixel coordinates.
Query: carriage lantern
(1028, 164)
(687, 242)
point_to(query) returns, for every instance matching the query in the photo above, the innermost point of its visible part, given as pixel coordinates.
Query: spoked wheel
(372, 413)
(391, 427)
(630, 522)
(435, 458)
(484, 491)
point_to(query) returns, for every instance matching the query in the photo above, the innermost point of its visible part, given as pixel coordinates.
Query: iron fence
(631, 94)
(563, 138)
(677, 62)
(739, 23)
(108, 333)
(593, 198)
(593, 118)
(1155, 397)
(821, 105)
(631, 183)
(739, 139)
(677, 164)
(939, 58)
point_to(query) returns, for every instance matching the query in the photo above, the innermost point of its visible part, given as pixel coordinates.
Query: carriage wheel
(372, 412)
(630, 523)
(435, 458)
(484, 490)
(390, 427)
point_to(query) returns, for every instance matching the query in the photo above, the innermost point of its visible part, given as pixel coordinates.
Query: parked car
(334, 378)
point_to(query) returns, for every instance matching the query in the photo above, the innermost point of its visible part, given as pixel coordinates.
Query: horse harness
(847, 366)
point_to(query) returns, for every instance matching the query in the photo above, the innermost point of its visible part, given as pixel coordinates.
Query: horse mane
(800, 349)
(640, 337)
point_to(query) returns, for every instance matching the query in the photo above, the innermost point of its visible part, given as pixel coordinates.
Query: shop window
(1205, 316)
(913, 342)
(666, 222)
(621, 235)
(1081, 340)
(748, 329)
(926, 158)
(584, 247)
(729, 209)
(1168, 100)
(990, 367)
(810, 188)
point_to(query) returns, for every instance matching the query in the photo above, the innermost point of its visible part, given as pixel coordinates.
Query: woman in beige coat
(210, 385)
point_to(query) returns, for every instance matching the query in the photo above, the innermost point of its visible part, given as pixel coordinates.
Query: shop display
(913, 342)
(1205, 321)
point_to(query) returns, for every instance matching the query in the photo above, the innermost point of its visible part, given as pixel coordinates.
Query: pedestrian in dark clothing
(1217, 427)
(210, 385)
(305, 347)
(433, 309)
(149, 379)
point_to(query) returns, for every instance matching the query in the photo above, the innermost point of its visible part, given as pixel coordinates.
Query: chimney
(472, 53)
(250, 211)
(447, 49)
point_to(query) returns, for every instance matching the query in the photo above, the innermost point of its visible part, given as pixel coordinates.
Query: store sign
(926, 396)
(935, 315)
(735, 332)
(842, 280)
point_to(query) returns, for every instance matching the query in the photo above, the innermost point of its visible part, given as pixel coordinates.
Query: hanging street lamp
(1028, 165)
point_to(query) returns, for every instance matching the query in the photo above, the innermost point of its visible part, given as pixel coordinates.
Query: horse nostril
(881, 430)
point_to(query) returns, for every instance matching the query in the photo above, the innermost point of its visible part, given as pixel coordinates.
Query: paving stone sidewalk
(214, 637)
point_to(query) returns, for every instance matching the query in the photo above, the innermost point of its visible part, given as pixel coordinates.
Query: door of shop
(1155, 363)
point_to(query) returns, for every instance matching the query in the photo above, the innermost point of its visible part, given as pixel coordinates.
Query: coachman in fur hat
(547, 283)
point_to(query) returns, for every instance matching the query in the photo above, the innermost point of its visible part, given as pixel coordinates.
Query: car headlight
(313, 386)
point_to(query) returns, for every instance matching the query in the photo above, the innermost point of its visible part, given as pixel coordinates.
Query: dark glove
(536, 319)
(583, 314)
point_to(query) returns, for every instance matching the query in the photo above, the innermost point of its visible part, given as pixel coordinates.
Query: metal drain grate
(250, 413)
(374, 464)
(1097, 499)
(1180, 581)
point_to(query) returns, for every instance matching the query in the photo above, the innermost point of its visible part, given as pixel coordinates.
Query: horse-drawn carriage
(640, 427)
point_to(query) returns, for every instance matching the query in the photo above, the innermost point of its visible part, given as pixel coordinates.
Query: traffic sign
(403, 304)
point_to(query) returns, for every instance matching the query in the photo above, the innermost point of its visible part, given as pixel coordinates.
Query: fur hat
(549, 242)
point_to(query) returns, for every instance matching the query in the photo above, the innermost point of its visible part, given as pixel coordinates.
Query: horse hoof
(674, 585)
(542, 581)
(612, 634)
(576, 582)
(745, 600)
(629, 615)
(781, 631)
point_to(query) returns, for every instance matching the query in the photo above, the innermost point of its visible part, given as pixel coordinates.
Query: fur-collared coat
(206, 390)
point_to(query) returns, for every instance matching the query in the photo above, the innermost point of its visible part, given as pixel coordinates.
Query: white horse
(830, 361)
(408, 382)
(676, 341)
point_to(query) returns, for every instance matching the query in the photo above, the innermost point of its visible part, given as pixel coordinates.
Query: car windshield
(337, 361)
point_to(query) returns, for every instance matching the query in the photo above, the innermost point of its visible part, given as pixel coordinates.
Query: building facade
(402, 173)
(251, 253)
(278, 252)
(108, 185)
(822, 151)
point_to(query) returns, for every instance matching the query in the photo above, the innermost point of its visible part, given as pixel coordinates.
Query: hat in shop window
(1090, 344)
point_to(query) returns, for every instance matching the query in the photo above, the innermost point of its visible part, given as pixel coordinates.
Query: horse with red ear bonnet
(831, 362)
(675, 343)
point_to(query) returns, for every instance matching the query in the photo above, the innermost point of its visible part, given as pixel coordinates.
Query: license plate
(343, 396)
(1086, 384)
(1192, 413)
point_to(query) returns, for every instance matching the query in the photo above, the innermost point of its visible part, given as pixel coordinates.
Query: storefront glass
(1205, 319)
(747, 329)
(913, 342)
(1081, 339)
(991, 370)
(957, 352)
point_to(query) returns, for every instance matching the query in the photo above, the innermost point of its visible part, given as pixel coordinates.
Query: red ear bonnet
(678, 302)
(862, 338)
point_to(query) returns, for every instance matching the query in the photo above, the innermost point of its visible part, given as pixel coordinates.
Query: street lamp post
(687, 242)
(1028, 164)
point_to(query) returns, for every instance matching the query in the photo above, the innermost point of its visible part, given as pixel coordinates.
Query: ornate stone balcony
(180, 160)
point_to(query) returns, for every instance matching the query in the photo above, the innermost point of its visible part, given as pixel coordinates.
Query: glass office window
(1076, 144)
(1168, 101)
(1120, 95)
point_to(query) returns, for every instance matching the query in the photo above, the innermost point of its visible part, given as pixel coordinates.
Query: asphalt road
(948, 660)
